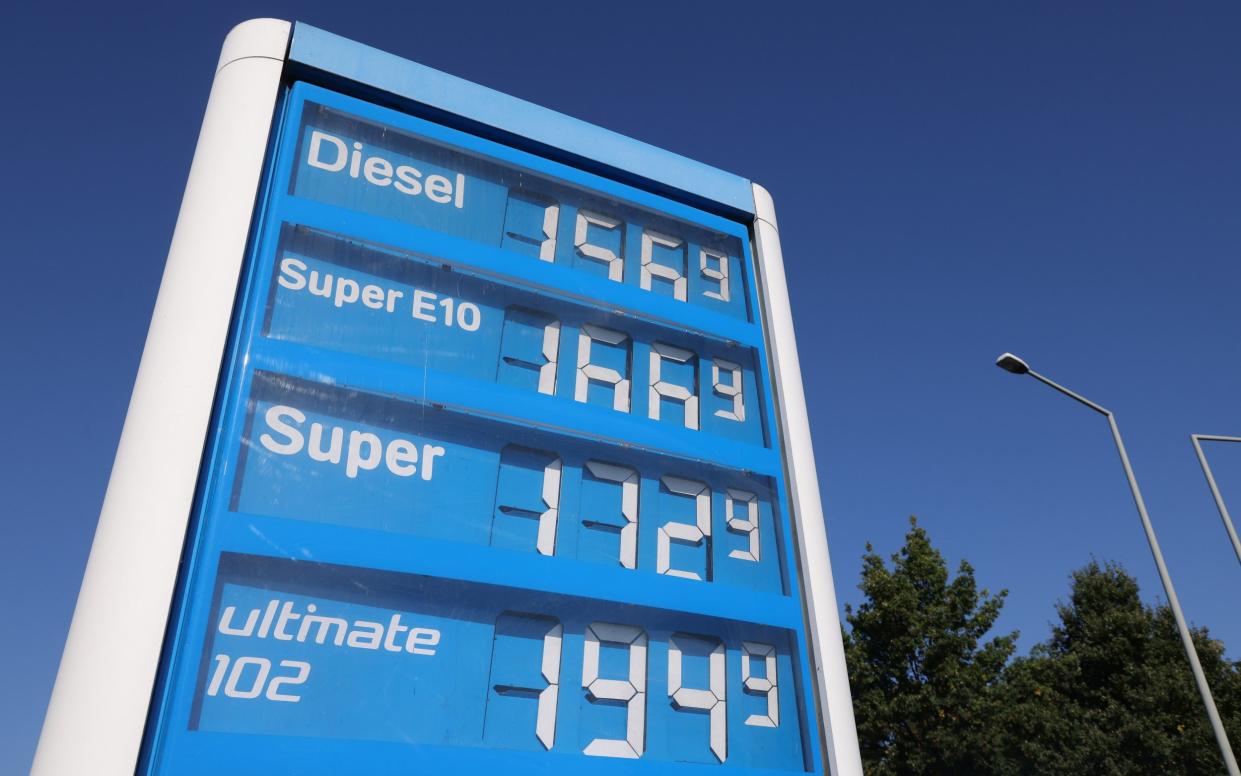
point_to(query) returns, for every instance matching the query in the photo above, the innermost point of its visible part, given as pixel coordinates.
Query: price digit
(719, 273)
(628, 479)
(530, 342)
(710, 699)
(698, 533)
(765, 685)
(581, 241)
(526, 209)
(514, 627)
(652, 269)
(588, 372)
(662, 389)
(515, 461)
(748, 525)
(631, 690)
(729, 390)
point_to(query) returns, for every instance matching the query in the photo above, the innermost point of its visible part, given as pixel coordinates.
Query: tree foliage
(1109, 693)
(924, 683)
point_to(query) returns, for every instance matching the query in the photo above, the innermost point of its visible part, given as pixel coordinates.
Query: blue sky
(1062, 180)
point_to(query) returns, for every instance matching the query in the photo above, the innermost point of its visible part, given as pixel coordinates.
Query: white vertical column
(98, 709)
(830, 672)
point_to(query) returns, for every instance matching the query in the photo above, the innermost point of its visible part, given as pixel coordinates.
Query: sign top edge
(324, 51)
(263, 38)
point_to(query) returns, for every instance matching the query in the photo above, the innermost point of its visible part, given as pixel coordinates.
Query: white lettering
(230, 630)
(401, 456)
(424, 305)
(366, 635)
(286, 616)
(427, 306)
(408, 182)
(421, 641)
(333, 154)
(268, 615)
(373, 297)
(356, 461)
(316, 145)
(364, 451)
(378, 171)
(429, 454)
(275, 418)
(291, 274)
(347, 292)
(394, 627)
(326, 624)
(439, 189)
(315, 449)
(327, 630)
(323, 289)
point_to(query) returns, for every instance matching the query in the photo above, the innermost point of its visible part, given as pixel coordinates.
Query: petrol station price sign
(494, 478)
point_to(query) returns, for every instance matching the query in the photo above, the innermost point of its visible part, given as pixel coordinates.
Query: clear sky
(952, 180)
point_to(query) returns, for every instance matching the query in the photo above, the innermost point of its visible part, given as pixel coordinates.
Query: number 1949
(759, 678)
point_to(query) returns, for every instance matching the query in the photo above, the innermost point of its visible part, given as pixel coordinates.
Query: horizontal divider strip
(506, 405)
(217, 752)
(539, 276)
(408, 554)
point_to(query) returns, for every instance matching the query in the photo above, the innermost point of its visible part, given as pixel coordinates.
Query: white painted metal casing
(831, 673)
(98, 707)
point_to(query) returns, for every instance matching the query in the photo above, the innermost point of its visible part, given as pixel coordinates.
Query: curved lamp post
(1198, 439)
(1010, 363)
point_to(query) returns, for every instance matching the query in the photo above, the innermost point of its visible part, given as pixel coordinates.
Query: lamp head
(1010, 363)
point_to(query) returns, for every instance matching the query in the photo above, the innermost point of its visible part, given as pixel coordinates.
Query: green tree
(1111, 693)
(924, 684)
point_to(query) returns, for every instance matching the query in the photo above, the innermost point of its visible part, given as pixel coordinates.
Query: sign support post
(829, 657)
(98, 707)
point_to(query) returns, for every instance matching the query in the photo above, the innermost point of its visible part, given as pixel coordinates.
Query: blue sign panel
(494, 481)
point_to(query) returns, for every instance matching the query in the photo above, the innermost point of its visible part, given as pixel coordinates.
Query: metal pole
(1219, 499)
(1221, 736)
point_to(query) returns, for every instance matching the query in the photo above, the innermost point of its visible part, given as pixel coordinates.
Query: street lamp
(1010, 363)
(1198, 439)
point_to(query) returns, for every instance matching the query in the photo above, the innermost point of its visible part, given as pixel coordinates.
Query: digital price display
(495, 481)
